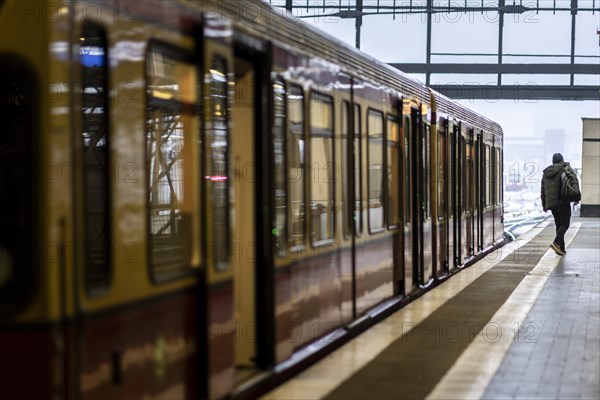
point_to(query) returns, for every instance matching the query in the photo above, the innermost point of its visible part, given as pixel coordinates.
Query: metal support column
(428, 56)
(288, 5)
(359, 8)
(501, 4)
(573, 19)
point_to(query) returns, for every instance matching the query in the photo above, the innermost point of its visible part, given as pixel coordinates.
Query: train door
(393, 162)
(417, 233)
(417, 150)
(451, 163)
(347, 153)
(249, 189)
(469, 190)
(244, 220)
(426, 235)
(220, 204)
(479, 191)
(407, 214)
(460, 235)
(356, 183)
(482, 198)
(440, 168)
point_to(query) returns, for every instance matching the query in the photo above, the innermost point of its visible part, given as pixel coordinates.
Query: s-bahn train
(193, 194)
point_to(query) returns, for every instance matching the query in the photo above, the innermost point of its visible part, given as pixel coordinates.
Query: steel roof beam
(524, 93)
(447, 68)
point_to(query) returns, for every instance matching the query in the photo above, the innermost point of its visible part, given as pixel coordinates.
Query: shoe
(557, 249)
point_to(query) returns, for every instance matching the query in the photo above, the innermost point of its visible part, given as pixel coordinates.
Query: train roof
(280, 27)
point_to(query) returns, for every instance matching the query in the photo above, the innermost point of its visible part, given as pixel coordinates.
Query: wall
(590, 174)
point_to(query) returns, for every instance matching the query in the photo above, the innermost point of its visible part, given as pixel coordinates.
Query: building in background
(523, 162)
(590, 173)
(554, 142)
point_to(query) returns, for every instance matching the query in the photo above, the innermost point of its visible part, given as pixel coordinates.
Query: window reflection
(171, 89)
(498, 176)
(393, 173)
(441, 173)
(409, 129)
(425, 159)
(96, 151)
(279, 231)
(346, 149)
(322, 168)
(295, 163)
(218, 141)
(375, 172)
(357, 170)
(470, 177)
(488, 175)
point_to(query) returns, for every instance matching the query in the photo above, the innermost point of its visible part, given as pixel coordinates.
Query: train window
(463, 163)
(393, 161)
(280, 190)
(95, 158)
(171, 114)
(322, 187)
(345, 124)
(357, 171)
(441, 172)
(499, 194)
(295, 163)
(407, 170)
(19, 94)
(454, 204)
(426, 157)
(488, 176)
(492, 174)
(469, 177)
(375, 176)
(217, 175)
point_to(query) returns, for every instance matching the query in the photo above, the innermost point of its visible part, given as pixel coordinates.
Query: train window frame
(280, 246)
(374, 111)
(317, 97)
(295, 245)
(96, 286)
(392, 226)
(358, 162)
(193, 109)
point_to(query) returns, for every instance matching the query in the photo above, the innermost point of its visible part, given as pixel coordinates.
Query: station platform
(522, 323)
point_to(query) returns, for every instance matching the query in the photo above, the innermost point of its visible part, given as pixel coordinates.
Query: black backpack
(569, 186)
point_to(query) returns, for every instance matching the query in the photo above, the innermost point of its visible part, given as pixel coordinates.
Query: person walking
(551, 200)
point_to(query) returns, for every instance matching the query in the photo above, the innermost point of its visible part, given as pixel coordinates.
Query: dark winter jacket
(551, 184)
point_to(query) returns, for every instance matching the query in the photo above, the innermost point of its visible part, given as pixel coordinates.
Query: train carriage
(198, 195)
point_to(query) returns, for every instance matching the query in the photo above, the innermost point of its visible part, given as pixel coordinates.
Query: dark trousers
(562, 220)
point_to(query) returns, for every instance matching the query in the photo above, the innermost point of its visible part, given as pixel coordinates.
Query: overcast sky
(403, 40)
